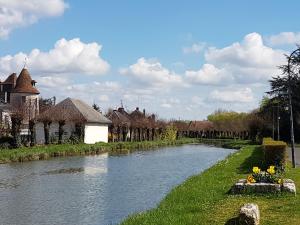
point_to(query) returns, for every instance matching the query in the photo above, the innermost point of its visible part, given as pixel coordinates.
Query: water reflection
(97, 189)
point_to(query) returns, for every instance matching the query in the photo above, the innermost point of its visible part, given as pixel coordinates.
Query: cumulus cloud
(52, 81)
(284, 38)
(241, 95)
(152, 73)
(194, 48)
(89, 92)
(208, 75)
(15, 13)
(67, 56)
(249, 61)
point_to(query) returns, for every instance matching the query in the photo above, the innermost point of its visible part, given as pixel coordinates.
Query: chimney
(137, 109)
(144, 112)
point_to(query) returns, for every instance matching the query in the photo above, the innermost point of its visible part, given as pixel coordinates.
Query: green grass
(203, 199)
(226, 143)
(44, 152)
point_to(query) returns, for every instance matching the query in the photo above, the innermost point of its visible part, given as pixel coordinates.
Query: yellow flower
(250, 179)
(256, 170)
(271, 170)
(279, 181)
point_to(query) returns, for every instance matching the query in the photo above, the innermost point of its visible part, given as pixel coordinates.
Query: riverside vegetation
(204, 198)
(44, 152)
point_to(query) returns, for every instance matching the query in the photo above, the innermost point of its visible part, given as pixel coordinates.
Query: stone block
(242, 187)
(288, 186)
(249, 214)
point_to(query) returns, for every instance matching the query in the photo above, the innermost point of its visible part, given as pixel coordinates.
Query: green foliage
(74, 139)
(170, 133)
(67, 149)
(280, 86)
(229, 120)
(227, 143)
(275, 153)
(223, 115)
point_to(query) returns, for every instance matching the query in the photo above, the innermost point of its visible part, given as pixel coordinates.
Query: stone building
(18, 94)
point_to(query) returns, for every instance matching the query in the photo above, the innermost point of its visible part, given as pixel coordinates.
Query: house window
(23, 99)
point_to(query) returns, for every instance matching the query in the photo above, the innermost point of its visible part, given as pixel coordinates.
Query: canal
(97, 190)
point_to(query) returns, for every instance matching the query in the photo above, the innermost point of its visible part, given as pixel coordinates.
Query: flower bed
(270, 181)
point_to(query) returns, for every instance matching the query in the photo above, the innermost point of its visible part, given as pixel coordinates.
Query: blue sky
(179, 59)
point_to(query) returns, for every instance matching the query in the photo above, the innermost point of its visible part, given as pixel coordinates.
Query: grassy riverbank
(226, 143)
(44, 152)
(203, 199)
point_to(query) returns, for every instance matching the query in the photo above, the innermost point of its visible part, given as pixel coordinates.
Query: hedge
(275, 153)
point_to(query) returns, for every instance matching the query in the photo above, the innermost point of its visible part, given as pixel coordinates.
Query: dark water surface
(96, 190)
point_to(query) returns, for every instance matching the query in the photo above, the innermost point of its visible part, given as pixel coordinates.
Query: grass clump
(24, 154)
(204, 199)
(227, 143)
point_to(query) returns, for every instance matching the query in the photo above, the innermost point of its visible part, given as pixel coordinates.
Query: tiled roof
(24, 83)
(200, 125)
(74, 109)
(11, 79)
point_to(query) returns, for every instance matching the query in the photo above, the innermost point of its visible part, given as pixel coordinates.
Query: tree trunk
(130, 133)
(139, 134)
(46, 131)
(32, 132)
(79, 131)
(16, 123)
(61, 131)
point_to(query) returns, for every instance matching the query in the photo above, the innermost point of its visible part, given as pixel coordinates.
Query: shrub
(169, 134)
(275, 153)
(74, 139)
(6, 142)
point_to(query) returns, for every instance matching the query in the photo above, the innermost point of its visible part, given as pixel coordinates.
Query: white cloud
(67, 56)
(251, 52)
(152, 73)
(103, 98)
(208, 75)
(284, 38)
(166, 105)
(249, 61)
(20, 13)
(241, 95)
(106, 92)
(198, 101)
(194, 48)
(52, 81)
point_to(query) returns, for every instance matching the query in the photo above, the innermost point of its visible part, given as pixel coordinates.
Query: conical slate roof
(24, 83)
(74, 110)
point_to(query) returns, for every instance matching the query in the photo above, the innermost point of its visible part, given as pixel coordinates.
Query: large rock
(249, 214)
(288, 186)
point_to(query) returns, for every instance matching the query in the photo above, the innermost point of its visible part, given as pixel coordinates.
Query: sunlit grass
(45, 152)
(203, 199)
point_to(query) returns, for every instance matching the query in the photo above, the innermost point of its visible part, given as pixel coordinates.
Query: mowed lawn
(204, 198)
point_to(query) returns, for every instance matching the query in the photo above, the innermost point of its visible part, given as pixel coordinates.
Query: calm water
(96, 190)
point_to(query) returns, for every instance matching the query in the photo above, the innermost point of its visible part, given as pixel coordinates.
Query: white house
(72, 113)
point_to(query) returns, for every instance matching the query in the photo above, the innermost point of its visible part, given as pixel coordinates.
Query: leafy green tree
(229, 120)
(280, 85)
